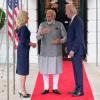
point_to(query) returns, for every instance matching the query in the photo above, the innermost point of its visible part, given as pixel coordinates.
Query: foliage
(2, 18)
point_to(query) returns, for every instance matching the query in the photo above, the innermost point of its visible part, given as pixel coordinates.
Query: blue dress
(23, 51)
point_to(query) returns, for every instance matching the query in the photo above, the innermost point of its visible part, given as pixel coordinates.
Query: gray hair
(52, 12)
(72, 8)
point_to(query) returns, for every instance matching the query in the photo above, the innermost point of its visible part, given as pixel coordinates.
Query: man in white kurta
(52, 35)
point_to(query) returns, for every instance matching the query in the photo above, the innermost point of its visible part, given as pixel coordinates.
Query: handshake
(32, 44)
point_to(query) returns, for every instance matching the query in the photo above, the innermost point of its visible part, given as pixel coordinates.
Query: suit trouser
(46, 81)
(78, 72)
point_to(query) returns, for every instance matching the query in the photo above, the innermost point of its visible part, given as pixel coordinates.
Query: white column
(92, 42)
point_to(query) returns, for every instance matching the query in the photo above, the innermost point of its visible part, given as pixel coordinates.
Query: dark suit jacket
(75, 36)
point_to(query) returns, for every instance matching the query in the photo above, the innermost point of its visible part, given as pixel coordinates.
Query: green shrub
(2, 18)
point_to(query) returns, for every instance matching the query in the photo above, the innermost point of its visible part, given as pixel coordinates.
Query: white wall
(32, 25)
(92, 39)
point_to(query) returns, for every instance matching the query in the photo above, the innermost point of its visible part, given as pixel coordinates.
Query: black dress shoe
(78, 93)
(71, 92)
(56, 91)
(45, 92)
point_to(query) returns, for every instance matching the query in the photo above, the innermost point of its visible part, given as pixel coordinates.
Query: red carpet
(66, 83)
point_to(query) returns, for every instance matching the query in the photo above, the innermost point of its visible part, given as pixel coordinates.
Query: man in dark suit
(75, 47)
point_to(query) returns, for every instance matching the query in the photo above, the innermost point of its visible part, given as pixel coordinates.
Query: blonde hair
(21, 18)
(52, 12)
(71, 8)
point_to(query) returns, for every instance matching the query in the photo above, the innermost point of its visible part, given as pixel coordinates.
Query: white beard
(49, 22)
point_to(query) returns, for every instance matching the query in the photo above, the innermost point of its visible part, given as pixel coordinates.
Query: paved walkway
(92, 71)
